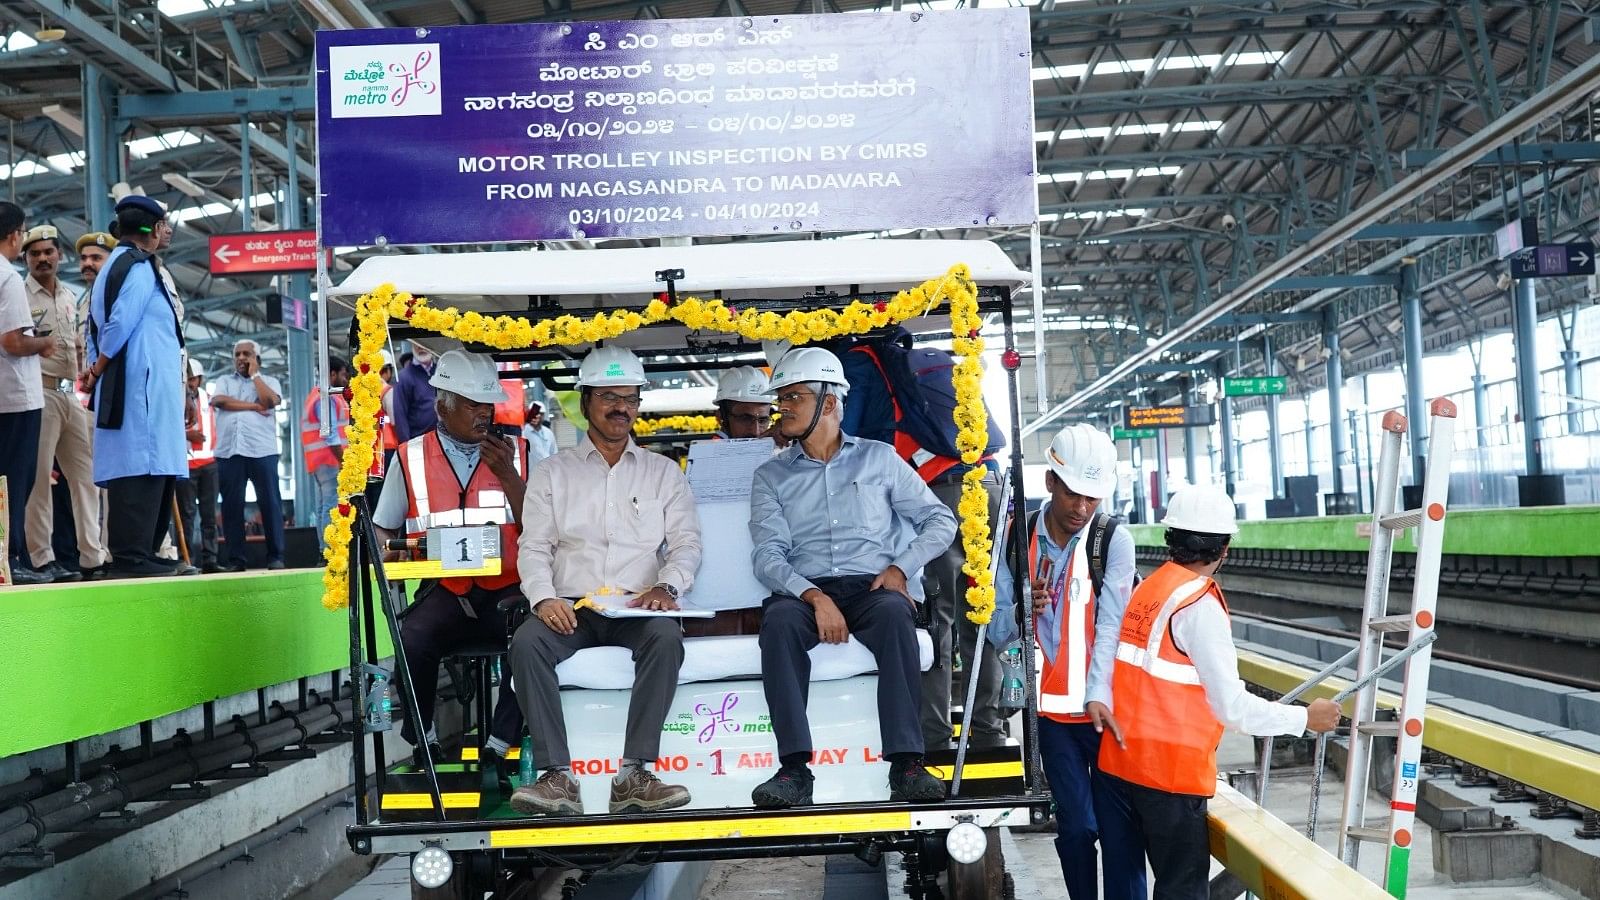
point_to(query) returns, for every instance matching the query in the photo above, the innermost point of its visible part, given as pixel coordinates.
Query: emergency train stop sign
(263, 251)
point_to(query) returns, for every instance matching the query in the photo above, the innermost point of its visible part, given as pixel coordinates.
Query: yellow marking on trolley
(425, 801)
(470, 754)
(979, 771)
(1528, 759)
(705, 829)
(411, 570)
(1274, 860)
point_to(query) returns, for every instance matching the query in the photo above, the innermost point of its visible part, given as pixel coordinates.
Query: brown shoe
(642, 791)
(554, 794)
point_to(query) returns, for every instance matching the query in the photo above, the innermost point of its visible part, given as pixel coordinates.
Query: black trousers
(197, 501)
(946, 587)
(262, 472)
(436, 626)
(138, 513)
(1170, 829)
(19, 456)
(883, 620)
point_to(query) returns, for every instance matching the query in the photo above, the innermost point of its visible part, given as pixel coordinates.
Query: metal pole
(1579, 84)
(1311, 444)
(301, 354)
(1160, 498)
(1411, 313)
(1335, 377)
(1036, 261)
(246, 191)
(1189, 466)
(102, 163)
(1269, 367)
(1480, 407)
(1226, 413)
(1524, 325)
(1573, 389)
(1136, 457)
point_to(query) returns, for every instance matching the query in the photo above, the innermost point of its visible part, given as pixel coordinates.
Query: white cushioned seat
(721, 658)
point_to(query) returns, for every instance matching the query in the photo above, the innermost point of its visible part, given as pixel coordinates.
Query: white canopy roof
(741, 268)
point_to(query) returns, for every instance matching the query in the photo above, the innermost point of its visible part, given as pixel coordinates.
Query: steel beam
(102, 142)
(1284, 318)
(1411, 314)
(215, 107)
(1521, 155)
(108, 46)
(1524, 338)
(1335, 380)
(1405, 231)
(1331, 282)
(1165, 368)
(1269, 367)
(1583, 81)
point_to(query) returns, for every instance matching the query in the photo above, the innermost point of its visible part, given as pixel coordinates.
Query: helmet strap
(816, 414)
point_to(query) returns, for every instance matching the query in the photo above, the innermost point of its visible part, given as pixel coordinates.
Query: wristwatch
(671, 591)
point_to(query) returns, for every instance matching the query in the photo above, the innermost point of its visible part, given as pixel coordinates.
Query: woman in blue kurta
(137, 382)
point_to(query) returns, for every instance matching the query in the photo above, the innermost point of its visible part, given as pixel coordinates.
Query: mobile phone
(505, 431)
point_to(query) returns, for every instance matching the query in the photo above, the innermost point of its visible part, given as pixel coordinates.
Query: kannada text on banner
(476, 134)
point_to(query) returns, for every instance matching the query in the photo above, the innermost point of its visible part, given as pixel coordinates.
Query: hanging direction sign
(1131, 434)
(1255, 387)
(1553, 261)
(776, 124)
(1168, 416)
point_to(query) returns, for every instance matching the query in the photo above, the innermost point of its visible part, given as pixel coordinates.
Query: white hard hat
(195, 368)
(388, 358)
(774, 350)
(611, 367)
(745, 384)
(807, 364)
(472, 375)
(1204, 508)
(1085, 460)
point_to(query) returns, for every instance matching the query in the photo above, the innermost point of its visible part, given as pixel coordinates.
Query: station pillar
(1524, 333)
(1411, 314)
(1269, 367)
(1159, 501)
(1225, 414)
(1572, 388)
(299, 352)
(1189, 469)
(1335, 378)
(102, 163)
(1480, 407)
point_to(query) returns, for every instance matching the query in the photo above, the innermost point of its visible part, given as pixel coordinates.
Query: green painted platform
(1535, 531)
(88, 659)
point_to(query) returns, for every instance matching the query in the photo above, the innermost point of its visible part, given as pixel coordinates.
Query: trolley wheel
(981, 880)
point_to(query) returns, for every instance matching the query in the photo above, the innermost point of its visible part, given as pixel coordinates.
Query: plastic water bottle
(525, 762)
(1011, 688)
(380, 709)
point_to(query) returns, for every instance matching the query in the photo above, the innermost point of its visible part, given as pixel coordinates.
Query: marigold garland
(686, 424)
(955, 288)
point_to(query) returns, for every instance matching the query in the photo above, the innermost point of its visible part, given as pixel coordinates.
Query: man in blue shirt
(414, 413)
(1079, 593)
(829, 517)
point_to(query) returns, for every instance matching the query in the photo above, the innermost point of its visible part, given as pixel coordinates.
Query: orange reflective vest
(317, 451)
(387, 439)
(512, 410)
(1065, 680)
(437, 499)
(204, 451)
(1169, 733)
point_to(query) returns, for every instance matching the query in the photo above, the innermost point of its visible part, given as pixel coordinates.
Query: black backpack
(923, 384)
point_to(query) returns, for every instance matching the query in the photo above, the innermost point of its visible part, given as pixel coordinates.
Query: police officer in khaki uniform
(93, 249)
(64, 432)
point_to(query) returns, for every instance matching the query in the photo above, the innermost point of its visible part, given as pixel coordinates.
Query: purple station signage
(479, 134)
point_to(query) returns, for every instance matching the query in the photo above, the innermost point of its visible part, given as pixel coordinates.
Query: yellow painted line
(1538, 762)
(411, 570)
(978, 771)
(706, 829)
(425, 801)
(1274, 860)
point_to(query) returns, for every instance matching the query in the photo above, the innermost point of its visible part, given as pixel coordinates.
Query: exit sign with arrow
(263, 251)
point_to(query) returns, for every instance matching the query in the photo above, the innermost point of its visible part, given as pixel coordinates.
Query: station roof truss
(1182, 147)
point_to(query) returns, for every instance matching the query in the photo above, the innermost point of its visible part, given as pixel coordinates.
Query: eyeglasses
(793, 397)
(747, 419)
(611, 399)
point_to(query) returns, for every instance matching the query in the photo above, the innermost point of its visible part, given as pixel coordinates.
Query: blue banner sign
(479, 134)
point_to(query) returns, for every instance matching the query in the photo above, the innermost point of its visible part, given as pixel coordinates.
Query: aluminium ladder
(1376, 622)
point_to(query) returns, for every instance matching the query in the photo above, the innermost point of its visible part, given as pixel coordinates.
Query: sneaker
(59, 573)
(186, 569)
(641, 791)
(23, 574)
(911, 782)
(554, 794)
(790, 787)
(275, 564)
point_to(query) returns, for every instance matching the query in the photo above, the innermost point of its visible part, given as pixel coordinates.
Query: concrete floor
(1034, 865)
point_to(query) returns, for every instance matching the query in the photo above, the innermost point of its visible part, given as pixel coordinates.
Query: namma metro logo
(384, 80)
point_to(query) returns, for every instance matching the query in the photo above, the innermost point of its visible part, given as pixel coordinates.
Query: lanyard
(1053, 569)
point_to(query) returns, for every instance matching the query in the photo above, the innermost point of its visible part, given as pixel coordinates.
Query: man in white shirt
(246, 401)
(594, 520)
(21, 393)
(541, 440)
(1174, 689)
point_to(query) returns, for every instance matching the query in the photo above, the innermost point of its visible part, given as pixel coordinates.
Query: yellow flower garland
(685, 424)
(955, 288)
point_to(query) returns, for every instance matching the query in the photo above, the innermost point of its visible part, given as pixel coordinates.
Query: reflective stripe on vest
(206, 450)
(317, 451)
(422, 462)
(387, 438)
(1169, 732)
(1064, 683)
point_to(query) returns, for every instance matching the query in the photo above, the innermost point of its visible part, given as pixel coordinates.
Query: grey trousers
(657, 645)
(882, 620)
(946, 588)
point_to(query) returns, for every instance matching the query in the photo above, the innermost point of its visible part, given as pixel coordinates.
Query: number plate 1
(464, 548)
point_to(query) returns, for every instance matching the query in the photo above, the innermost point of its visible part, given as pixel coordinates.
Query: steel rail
(1578, 85)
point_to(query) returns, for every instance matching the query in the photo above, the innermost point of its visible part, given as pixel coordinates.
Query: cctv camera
(1229, 222)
